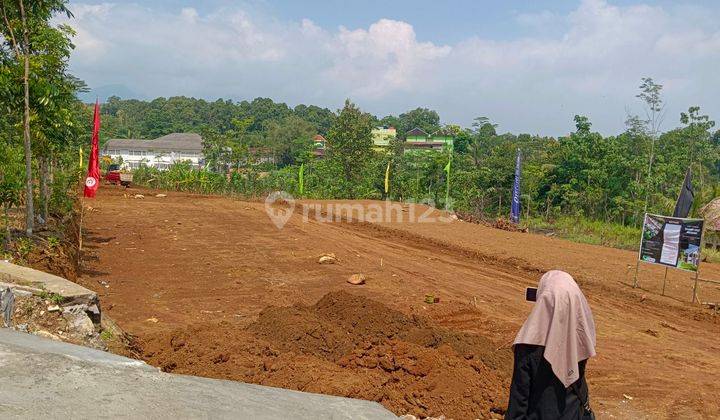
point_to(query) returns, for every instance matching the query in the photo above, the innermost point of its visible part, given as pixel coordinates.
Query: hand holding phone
(531, 294)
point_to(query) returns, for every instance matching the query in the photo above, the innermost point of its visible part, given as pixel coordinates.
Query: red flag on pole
(93, 176)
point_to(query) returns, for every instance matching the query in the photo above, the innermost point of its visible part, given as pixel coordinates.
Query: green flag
(301, 179)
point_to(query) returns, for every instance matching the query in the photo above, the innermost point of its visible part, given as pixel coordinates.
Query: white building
(159, 153)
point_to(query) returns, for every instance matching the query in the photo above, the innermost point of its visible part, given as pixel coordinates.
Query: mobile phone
(531, 294)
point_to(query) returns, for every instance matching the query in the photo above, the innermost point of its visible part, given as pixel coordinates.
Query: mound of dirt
(499, 223)
(352, 346)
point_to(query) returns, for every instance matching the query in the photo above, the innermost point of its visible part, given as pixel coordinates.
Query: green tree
(11, 183)
(483, 132)
(423, 118)
(654, 110)
(25, 25)
(291, 140)
(350, 144)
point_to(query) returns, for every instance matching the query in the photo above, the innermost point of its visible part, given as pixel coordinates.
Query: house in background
(319, 144)
(443, 136)
(417, 139)
(416, 135)
(382, 136)
(160, 153)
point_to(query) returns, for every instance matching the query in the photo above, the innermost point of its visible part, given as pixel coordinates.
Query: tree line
(609, 178)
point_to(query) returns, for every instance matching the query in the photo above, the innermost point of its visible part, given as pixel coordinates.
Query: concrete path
(33, 280)
(41, 378)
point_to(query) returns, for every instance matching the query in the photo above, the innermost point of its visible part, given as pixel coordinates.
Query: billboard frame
(639, 258)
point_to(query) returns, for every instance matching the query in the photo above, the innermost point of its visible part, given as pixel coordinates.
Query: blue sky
(528, 65)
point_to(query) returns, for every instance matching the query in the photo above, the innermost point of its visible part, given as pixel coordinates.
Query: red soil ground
(210, 286)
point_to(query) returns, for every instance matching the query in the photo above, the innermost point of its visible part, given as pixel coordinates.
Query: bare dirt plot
(205, 284)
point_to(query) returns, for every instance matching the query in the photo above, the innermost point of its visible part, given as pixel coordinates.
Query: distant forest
(610, 178)
(132, 118)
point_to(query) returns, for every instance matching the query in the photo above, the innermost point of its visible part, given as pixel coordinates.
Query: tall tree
(654, 110)
(423, 118)
(22, 23)
(290, 139)
(483, 132)
(350, 143)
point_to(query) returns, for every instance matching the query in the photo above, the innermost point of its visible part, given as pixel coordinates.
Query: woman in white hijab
(551, 351)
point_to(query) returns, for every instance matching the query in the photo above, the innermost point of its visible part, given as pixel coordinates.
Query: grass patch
(52, 297)
(589, 231)
(710, 255)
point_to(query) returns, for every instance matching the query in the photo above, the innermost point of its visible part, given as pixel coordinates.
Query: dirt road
(210, 286)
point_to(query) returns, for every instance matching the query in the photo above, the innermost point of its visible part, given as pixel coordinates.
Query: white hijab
(561, 321)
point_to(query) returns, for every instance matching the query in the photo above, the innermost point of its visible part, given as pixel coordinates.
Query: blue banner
(515, 206)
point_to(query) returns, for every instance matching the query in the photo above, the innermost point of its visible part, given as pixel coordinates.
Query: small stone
(138, 196)
(356, 279)
(7, 304)
(153, 320)
(79, 322)
(54, 308)
(327, 259)
(160, 195)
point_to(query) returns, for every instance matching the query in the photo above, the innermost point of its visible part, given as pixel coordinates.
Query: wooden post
(697, 268)
(664, 281)
(696, 285)
(637, 267)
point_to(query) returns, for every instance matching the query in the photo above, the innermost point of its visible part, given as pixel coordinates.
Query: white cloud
(383, 60)
(536, 84)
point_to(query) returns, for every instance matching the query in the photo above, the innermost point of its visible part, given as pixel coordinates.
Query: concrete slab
(29, 279)
(41, 378)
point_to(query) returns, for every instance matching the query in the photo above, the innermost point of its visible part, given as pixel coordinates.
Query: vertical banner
(515, 205)
(301, 179)
(685, 199)
(92, 181)
(671, 241)
(387, 178)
